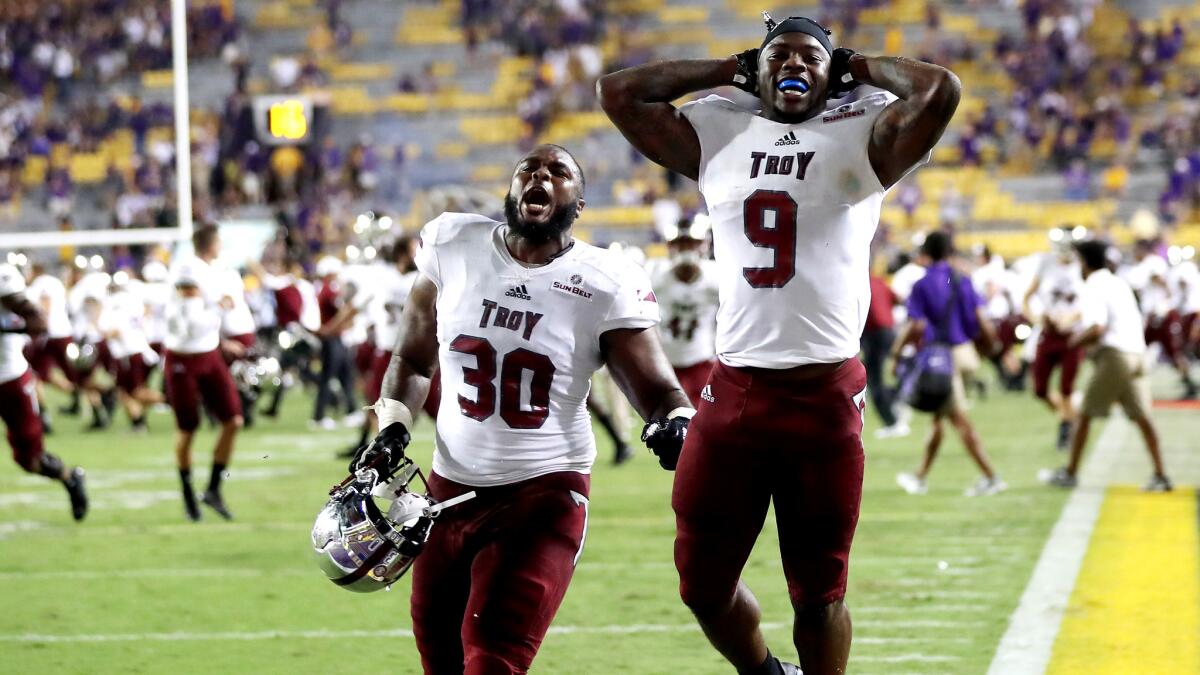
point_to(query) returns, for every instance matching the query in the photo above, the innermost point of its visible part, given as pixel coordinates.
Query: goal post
(183, 170)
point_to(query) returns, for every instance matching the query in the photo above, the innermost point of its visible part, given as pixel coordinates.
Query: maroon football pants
(1053, 349)
(768, 436)
(19, 410)
(494, 572)
(693, 378)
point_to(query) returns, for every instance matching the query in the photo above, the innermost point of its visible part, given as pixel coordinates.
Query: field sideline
(136, 588)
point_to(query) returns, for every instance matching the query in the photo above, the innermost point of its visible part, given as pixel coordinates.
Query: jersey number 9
(781, 238)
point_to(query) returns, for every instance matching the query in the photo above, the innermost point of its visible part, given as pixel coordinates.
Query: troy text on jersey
(782, 165)
(512, 319)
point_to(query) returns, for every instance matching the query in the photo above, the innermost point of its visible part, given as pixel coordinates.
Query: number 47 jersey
(517, 347)
(794, 208)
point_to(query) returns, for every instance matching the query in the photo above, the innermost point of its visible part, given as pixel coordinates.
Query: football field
(934, 579)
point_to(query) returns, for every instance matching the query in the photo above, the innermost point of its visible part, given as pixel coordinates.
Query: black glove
(746, 78)
(841, 82)
(390, 442)
(665, 439)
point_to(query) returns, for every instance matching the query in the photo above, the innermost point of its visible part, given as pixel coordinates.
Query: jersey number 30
(512, 372)
(781, 238)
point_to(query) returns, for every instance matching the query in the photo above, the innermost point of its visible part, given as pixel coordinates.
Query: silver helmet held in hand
(361, 547)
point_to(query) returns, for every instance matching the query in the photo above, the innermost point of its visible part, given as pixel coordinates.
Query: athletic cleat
(985, 487)
(623, 454)
(78, 493)
(789, 668)
(1058, 478)
(897, 430)
(323, 424)
(1158, 483)
(1064, 436)
(911, 483)
(214, 501)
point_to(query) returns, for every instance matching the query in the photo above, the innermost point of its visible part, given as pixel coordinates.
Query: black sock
(185, 478)
(214, 481)
(50, 466)
(769, 667)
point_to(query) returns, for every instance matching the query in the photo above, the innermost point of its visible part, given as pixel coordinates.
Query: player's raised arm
(638, 101)
(909, 128)
(406, 383)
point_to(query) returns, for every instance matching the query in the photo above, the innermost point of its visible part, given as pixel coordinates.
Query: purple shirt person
(930, 302)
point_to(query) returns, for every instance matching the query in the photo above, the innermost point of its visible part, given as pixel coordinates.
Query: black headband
(798, 24)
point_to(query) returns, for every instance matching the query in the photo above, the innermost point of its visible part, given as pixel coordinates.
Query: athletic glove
(390, 442)
(746, 77)
(665, 435)
(841, 82)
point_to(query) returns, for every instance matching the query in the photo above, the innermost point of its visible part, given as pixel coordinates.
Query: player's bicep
(641, 369)
(417, 344)
(906, 131)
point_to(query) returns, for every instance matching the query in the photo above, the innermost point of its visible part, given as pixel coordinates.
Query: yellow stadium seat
(88, 168)
(157, 79)
(35, 170)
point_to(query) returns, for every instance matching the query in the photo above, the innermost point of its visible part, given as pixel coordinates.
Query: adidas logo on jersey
(706, 394)
(788, 139)
(518, 292)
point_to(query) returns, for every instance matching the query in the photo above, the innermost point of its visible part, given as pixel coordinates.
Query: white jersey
(689, 313)
(390, 288)
(123, 325)
(1108, 302)
(1184, 280)
(1148, 277)
(1060, 293)
(517, 349)
(193, 326)
(50, 296)
(157, 295)
(238, 320)
(794, 208)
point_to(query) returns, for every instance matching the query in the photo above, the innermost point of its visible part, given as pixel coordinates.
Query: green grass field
(136, 588)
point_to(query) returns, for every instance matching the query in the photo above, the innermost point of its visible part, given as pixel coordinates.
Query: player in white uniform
(518, 315)
(794, 191)
(1184, 281)
(20, 319)
(196, 372)
(1054, 302)
(123, 325)
(686, 287)
(1149, 278)
(48, 293)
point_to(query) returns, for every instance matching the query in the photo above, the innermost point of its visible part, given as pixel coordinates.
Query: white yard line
(1026, 646)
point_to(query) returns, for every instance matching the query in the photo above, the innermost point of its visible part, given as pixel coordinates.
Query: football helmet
(363, 547)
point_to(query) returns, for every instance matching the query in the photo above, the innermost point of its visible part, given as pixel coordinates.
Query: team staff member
(1113, 327)
(794, 192)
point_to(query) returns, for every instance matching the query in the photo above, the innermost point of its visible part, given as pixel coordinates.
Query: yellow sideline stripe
(1136, 603)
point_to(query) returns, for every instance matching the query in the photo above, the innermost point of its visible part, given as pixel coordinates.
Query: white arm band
(682, 412)
(390, 410)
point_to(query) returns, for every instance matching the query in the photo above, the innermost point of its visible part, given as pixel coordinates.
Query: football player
(1149, 279)
(123, 326)
(19, 319)
(196, 371)
(686, 287)
(48, 351)
(1058, 288)
(518, 315)
(794, 191)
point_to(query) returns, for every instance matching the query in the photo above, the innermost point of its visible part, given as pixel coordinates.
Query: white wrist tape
(682, 412)
(390, 410)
